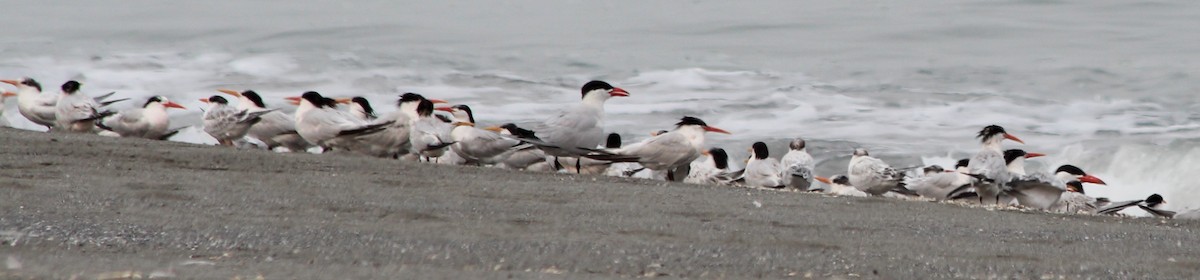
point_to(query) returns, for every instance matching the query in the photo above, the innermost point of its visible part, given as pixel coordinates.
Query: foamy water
(1109, 87)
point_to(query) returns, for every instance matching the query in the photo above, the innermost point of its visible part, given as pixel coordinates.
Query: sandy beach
(93, 207)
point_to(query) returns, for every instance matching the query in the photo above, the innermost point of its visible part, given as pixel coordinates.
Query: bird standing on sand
(839, 185)
(319, 121)
(275, 128)
(475, 145)
(76, 112)
(667, 152)
(798, 165)
(32, 104)
(429, 136)
(225, 123)
(941, 184)
(523, 157)
(576, 131)
(872, 175)
(989, 163)
(762, 171)
(714, 170)
(150, 121)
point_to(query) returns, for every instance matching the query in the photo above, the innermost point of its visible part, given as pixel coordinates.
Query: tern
(319, 121)
(475, 145)
(575, 131)
(798, 166)
(76, 112)
(713, 170)
(989, 163)
(150, 121)
(839, 185)
(761, 170)
(275, 128)
(667, 152)
(430, 136)
(32, 104)
(226, 123)
(872, 175)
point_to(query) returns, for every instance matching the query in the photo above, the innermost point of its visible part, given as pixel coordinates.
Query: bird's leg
(557, 166)
(670, 175)
(578, 168)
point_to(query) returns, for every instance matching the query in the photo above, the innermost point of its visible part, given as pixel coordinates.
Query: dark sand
(89, 206)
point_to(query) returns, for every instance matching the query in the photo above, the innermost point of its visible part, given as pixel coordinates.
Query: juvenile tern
(798, 165)
(872, 175)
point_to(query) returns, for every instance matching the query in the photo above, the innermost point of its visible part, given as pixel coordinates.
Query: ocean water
(1110, 86)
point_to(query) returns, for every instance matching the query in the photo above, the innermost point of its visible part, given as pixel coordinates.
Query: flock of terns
(574, 141)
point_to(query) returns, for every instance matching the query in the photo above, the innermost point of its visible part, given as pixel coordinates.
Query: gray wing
(128, 122)
(663, 151)
(1115, 207)
(570, 130)
(936, 186)
(989, 164)
(1038, 190)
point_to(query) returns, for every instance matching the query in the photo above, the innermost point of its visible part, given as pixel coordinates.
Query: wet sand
(93, 207)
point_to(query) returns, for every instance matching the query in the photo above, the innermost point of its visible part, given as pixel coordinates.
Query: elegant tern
(575, 131)
(150, 121)
(226, 123)
(319, 121)
(713, 170)
(430, 136)
(77, 112)
(474, 145)
(989, 163)
(275, 128)
(32, 104)
(839, 185)
(762, 171)
(667, 152)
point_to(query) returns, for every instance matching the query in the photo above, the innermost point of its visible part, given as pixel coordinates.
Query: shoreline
(84, 205)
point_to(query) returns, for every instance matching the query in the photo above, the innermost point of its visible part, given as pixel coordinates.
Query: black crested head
(1013, 154)
(218, 100)
(840, 180)
(989, 131)
(255, 98)
(1070, 169)
(70, 87)
(760, 150)
(329, 102)
(152, 100)
(720, 158)
(465, 108)
(313, 97)
(1154, 200)
(518, 131)
(366, 105)
(594, 85)
(797, 144)
(425, 108)
(613, 141)
(690, 121)
(409, 97)
(962, 163)
(1075, 186)
(861, 152)
(30, 82)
